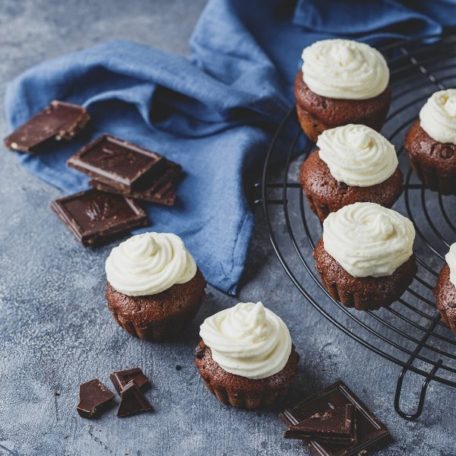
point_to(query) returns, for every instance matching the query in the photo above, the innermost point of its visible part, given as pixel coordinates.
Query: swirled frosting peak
(149, 263)
(247, 340)
(344, 69)
(368, 240)
(357, 155)
(438, 116)
(450, 258)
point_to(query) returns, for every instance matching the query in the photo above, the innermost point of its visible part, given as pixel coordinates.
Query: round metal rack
(409, 332)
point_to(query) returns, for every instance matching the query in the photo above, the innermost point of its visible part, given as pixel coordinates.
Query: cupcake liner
(432, 179)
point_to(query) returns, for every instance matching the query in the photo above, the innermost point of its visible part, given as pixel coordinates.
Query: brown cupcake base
(317, 113)
(241, 392)
(325, 194)
(362, 293)
(433, 162)
(157, 317)
(445, 298)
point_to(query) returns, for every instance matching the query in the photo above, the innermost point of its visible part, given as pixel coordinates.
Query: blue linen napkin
(213, 113)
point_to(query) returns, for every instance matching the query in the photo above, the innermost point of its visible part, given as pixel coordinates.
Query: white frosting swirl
(344, 69)
(450, 258)
(438, 116)
(368, 240)
(357, 155)
(149, 263)
(247, 340)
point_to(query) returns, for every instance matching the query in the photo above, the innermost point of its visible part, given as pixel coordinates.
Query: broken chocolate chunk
(335, 425)
(124, 165)
(370, 431)
(121, 378)
(133, 401)
(94, 398)
(57, 121)
(95, 217)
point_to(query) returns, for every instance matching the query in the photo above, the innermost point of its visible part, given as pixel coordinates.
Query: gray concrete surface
(56, 332)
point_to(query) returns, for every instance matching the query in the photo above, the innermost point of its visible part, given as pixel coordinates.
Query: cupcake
(154, 286)
(352, 163)
(341, 82)
(431, 142)
(246, 357)
(445, 290)
(365, 257)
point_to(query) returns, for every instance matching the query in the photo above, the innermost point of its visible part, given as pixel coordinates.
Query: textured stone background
(56, 332)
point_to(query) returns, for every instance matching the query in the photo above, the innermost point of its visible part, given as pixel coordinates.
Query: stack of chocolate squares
(334, 423)
(122, 175)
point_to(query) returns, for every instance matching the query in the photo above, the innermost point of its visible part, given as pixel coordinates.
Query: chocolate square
(57, 121)
(95, 217)
(133, 401)
(125, 165)
(94, 398)
(121, 378)
(370, 431)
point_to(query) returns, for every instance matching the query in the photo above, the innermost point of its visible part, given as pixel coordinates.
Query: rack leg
(425, 384)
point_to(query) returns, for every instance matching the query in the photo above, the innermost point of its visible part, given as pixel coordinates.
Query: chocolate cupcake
(352, 163)
(431, 142)
(246, 357)
(341, 82)
(154, 286)
(365, 257)
(445, 290)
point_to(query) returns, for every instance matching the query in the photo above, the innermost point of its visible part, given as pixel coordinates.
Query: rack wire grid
(409, 332)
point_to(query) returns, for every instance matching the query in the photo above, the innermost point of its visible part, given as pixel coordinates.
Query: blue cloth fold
(214, 113)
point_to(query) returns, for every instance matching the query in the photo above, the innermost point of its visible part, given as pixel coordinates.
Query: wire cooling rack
(408, 333)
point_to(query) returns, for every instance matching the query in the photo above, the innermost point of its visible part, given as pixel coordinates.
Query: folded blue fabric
(213, 113)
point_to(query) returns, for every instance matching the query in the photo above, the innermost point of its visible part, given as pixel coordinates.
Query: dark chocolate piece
(132, 401)
(57, 121)
(335, 426)
(94, 398)
(120, 378)
(95, 217)
(370, 432)
(125, 165)
(160, 190)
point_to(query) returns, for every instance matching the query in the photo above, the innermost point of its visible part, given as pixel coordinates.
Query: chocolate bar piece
(160, 190)
(125, 165)
(57, 121)
(334, 426)
(133, 401)
(94, 398)
(95, 217)
(121, 378)
(370, 431)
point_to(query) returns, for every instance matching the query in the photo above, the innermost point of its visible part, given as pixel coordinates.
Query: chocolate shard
(94, 398)
(335, 425)
(124, 165)
(96, 217)
(370, 432)
(57, 121)
(121, 378)
(159, 190)
(132, 401)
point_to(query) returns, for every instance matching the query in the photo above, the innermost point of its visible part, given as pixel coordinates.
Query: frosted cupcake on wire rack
(445, 290)
(246, 357)
(154, 285)
(365, 256)
(352, 163)
(341, 82)
(431, 142)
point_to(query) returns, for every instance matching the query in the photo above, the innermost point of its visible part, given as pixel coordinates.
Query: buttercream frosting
(247, 340)
(450, 258)
(357, 155)
(149, 263)
(438, 116)
(368, 240)
(344, 69)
